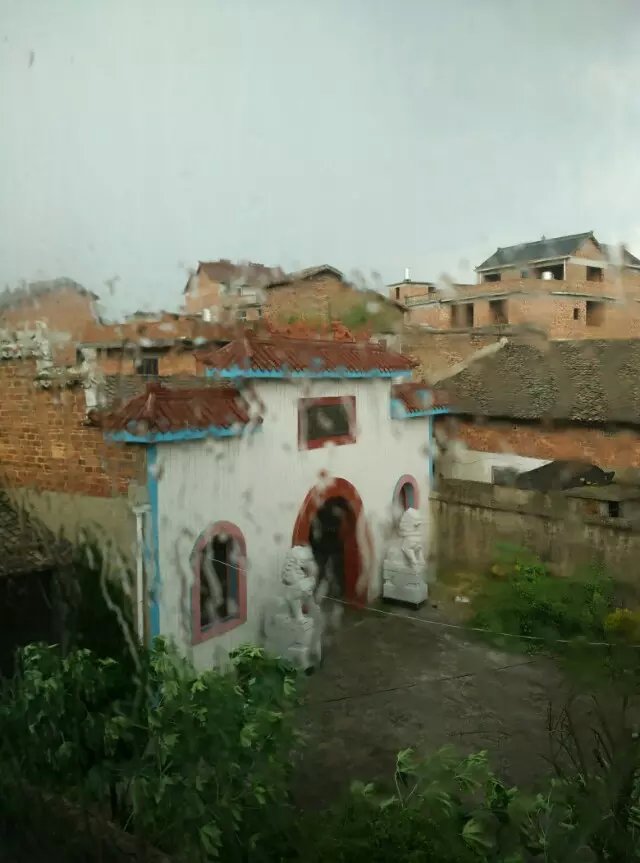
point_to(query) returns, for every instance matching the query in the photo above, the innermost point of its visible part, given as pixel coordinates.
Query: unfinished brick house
(522, 405)
(153, 346)
(63, 307)
(570, 287)
(226, 292)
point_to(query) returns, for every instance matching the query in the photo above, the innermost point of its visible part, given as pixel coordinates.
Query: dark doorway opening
(332, 537)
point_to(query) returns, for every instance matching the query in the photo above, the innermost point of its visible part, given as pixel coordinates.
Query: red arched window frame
(201, 633)
(401, 493)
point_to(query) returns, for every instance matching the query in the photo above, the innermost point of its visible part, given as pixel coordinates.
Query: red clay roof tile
(161, 409)
(278, 353)
(416, 397)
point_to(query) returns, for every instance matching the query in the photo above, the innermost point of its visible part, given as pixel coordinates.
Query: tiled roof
(585, 381)
(524, 253)
(115, 390)
(26, 546)
(417, 397)
(301, 275)
(160, 409)
(285, 355)
(168, 330)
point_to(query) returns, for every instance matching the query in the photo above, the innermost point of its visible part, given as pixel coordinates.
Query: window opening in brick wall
(148, 366)
(595, 274)
(614, 509)
(576, 314)
(326, 420)
(595, 313)
(556, 270)
(498, 311)
(397, 293)
(492, 277)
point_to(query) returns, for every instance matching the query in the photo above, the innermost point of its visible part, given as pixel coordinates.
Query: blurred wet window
(326, 420)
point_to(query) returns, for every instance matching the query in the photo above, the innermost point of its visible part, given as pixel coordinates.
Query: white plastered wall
(259, 483)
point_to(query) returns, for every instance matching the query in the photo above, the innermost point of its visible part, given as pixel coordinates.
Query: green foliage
(444, 809)
(197, 763)
(525, 599)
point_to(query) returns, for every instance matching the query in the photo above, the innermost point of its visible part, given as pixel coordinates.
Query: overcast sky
(139, 136)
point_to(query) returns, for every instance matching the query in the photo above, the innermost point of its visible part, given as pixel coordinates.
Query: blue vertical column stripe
(152, 487)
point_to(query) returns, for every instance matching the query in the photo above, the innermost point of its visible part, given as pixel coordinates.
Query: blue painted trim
(277, 374)
(430, 459)
(152, 487)
(183, 434)
(398, 411)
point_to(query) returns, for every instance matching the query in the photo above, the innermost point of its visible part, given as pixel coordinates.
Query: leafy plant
(197, 763)
(527, 600)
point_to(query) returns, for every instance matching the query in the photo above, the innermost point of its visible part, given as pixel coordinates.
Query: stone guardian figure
(293, 621)
(404, 571)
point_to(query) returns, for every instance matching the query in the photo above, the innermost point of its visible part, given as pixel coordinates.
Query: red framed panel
(348, 402)
(198, 632)
(406, 479)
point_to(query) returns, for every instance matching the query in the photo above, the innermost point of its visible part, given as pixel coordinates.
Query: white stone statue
(404, 570)
(293, 621)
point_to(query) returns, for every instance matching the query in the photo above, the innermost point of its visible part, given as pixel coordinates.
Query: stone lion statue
(293, 621)
(404, 570)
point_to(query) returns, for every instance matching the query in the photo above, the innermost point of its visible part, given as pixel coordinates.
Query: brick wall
(64, 311)
(203, 293)
(45, 445)
(172, 362)
(529, 301)
(325, 297)
(471, 520)
(607, 449)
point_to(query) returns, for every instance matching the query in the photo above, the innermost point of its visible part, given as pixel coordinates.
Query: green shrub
(197, 763)
(525, 599)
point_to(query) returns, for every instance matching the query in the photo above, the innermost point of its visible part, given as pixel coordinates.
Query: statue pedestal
(402, 584)
(292, 639)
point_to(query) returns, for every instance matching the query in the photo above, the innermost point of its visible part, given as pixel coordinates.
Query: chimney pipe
(407, 274)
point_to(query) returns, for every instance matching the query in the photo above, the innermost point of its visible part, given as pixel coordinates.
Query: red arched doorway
(355, 539)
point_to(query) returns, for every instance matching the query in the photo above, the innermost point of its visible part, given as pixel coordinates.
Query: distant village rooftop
(552, 249)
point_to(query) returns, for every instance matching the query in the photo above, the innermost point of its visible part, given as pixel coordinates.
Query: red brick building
(153, 346)
(570, 287)
(226, 292)
(522, 405)
(62, 306)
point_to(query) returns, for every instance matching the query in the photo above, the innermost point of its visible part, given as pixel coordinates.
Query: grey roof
(540, 250)
(550, 249)
(27, 546)
(585, 381)
(561, 475)
(612, 253)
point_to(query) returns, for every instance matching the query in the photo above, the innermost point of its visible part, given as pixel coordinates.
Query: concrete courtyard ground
(389, 682)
